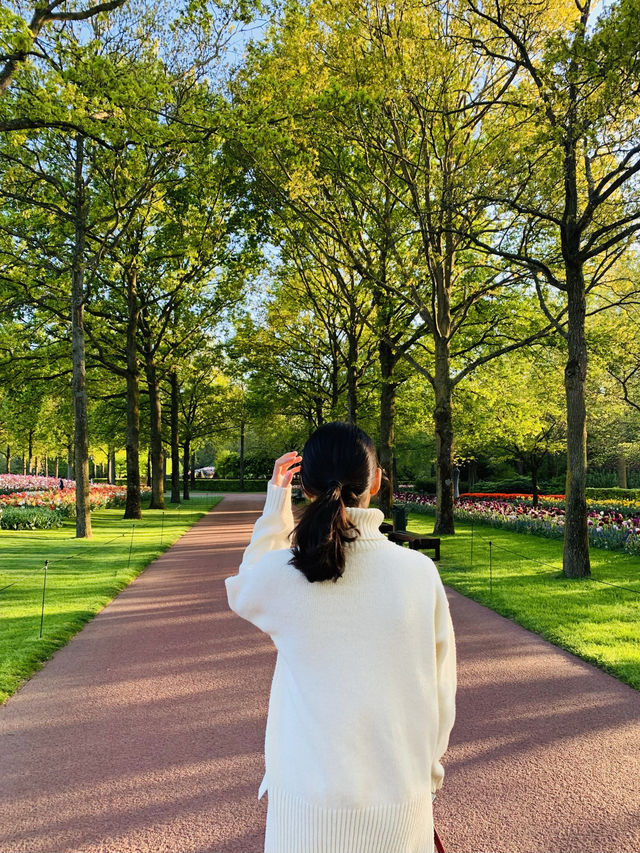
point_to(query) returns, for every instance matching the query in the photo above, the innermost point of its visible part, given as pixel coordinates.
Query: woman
(363, 693)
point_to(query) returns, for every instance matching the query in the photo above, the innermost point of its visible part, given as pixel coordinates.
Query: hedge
(215, 485)
(612, 494)
(206, 484)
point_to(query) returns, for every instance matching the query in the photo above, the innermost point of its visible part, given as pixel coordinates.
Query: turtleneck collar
(368, 521)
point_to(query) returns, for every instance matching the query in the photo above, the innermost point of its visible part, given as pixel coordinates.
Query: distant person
(61, 484)
(363, 693)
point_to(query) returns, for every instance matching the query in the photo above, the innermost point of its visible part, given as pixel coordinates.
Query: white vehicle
(207, 471)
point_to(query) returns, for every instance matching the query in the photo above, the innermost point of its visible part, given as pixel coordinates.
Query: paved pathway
(146, 732)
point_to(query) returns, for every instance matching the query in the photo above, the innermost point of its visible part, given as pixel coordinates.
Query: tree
(208, 404)
(60, 219)
(563, 186)
(392, 106)
(19, 38)
(514, 410)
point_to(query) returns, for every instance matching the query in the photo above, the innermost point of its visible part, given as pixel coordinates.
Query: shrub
(613, 493)
(215, 485)
(30, 518)
(425, 484)
(516, 485)
(256, 465)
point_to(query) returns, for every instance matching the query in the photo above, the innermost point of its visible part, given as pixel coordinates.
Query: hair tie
(333, 484)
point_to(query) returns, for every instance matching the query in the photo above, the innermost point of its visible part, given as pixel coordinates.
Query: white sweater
(363, 693)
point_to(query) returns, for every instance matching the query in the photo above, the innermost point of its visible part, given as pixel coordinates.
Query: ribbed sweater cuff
(294, 825)
(277, 497)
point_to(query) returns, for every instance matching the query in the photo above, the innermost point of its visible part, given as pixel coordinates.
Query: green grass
(597, 622)
(82, 577)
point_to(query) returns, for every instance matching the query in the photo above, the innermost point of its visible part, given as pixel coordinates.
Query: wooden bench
(416, 541)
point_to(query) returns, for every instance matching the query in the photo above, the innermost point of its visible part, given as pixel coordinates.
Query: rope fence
(90, 549)
(491, 544)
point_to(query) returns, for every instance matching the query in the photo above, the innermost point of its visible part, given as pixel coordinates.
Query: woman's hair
(339, 461)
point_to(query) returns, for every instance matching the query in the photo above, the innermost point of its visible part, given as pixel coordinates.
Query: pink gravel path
(145, 733)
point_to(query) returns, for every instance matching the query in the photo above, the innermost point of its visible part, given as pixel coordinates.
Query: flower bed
(63, 501)
(506, 495)
(10, 483)
(608, 528)
(605, 506)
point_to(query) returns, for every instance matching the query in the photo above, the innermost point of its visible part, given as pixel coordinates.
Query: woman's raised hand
(282, 470)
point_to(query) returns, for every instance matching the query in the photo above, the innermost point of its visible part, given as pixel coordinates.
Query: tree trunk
(186, 448)
(534, 483)
(30, 452)
(133, 507)
(576, 563)
(621, 470)
(175, 447)
(352, 380)
(335, 388)
(192, 472)
(57, 467)
(387, 424)
(34, 470)
(472, 474)
(443, 421)
(156, 452)
(81, 427)
(69, 461)
(24, 464)
(46, 464)
(242, 456)
(8, 459)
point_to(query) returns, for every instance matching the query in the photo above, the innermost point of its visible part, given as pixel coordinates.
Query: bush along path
(146, 731)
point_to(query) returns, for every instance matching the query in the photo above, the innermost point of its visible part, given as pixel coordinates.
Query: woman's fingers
(288, 477)
(282, 470)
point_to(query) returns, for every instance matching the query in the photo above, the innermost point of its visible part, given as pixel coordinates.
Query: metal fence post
(44, 587)
(490, 571)
(133, 527)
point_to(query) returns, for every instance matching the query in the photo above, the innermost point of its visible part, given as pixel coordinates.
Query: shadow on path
(146, 732)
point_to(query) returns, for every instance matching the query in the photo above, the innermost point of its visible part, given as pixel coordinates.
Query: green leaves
(15, 35)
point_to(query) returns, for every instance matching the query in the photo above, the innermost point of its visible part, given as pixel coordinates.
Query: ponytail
(324, 528)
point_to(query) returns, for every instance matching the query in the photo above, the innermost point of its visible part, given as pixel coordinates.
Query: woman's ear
(377, 480)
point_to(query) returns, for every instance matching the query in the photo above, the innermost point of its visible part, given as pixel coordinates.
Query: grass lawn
(598, 622)
(82, 577)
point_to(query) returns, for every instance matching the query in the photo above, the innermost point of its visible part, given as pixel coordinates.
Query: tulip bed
(613, 525)
(10, 483)
(38, 502)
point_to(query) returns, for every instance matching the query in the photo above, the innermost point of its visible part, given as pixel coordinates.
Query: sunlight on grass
(82, 577)
(597, 622)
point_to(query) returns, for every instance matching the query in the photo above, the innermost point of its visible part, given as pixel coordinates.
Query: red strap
(437, 842)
